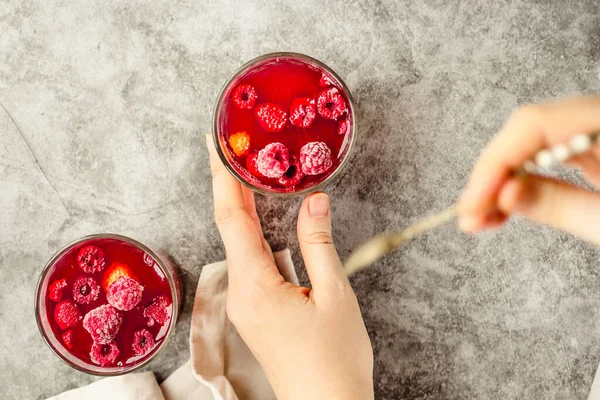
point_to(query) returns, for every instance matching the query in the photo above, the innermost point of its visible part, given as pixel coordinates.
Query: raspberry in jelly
(303, 112)
(294, 175)
(85, 290)
(244, 97)
(158, 311)
(91, 259)
(143, 342)
(124, 293)
(331, 103)
(67, 314)
(271, 117)
(315, 158)
(103, 323)
(105, 354)
(56, 289)
(273, 160)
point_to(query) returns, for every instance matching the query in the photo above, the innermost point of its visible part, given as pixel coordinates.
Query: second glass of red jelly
(284, 124)
(107, 304)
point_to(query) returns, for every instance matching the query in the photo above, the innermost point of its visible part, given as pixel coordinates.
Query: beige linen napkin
(140, 386)
(221, 365)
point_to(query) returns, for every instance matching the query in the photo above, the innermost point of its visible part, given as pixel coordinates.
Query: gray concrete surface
(103, 108)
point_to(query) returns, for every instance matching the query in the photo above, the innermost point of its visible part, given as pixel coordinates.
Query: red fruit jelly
(100, 302)
(284, 123)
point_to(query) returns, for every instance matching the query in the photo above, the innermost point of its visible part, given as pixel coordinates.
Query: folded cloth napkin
(141, 386)
(221, 365)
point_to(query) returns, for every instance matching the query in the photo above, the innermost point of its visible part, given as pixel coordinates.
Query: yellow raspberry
(240, 143)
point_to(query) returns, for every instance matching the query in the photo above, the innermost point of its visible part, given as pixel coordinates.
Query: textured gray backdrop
(103, 109)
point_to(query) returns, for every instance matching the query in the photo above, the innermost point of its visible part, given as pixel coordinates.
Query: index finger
(241, 236)
(529, 130)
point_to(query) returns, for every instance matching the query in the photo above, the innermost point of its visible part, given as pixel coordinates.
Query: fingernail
(468, 223)
(318, 205)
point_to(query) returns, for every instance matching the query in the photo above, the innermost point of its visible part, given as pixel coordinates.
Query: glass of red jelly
(284, 124)
(107, 304)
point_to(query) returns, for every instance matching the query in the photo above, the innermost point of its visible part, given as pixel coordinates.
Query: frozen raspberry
(325, 80)
(158, 310)
(124, 293)
(91, 259)
(104, 355)
(85, 290)
(331, 104)
(148, 260)
(240, 143)
(103, 323)
(67, 314)
(315, 158)
(143, 342)
(303, 112)
(114, 272)
(67, 338)
(244, 97)
(343, 127)
(273, 160)
(271, 117)
(293, 175)
(56, 288)
(251, 164)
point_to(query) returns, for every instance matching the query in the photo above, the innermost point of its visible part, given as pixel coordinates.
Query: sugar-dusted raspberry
(251, 164)
(113, 273)
(85, 290)
(149, 260)
(104, 354)
(143, 342)
(244, 97)
(158, 310)
(56, 289)
(315, 158)
(325, 80)
(103, 323)
(271, 117)
(67, 339)
(67, 314)
(91, 259)
(240, 143)
(273, 160)
(343, 127)
(303, 112)
(293, 175)
(331, 104)
(125, 293)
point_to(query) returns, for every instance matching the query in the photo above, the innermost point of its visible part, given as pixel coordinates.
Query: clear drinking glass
(154, 269)
(228, 120)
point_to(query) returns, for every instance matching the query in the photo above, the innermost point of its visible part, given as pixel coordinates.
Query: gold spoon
(377, 247)
(380, 245)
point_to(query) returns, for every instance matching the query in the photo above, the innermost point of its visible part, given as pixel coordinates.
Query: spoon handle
(380, 245)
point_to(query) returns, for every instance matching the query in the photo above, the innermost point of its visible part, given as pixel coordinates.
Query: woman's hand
(312, 344)
(493, 194)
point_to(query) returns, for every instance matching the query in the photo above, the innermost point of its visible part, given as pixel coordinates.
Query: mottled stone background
(103, 108)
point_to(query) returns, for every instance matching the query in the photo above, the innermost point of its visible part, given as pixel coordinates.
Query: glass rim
(141, 246)
(217, 109)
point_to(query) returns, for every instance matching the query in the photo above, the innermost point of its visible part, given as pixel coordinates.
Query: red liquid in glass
(280, 81)
(145, 270)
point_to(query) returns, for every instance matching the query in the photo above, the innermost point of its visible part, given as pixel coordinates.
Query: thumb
(553, 203)
(314, 234)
